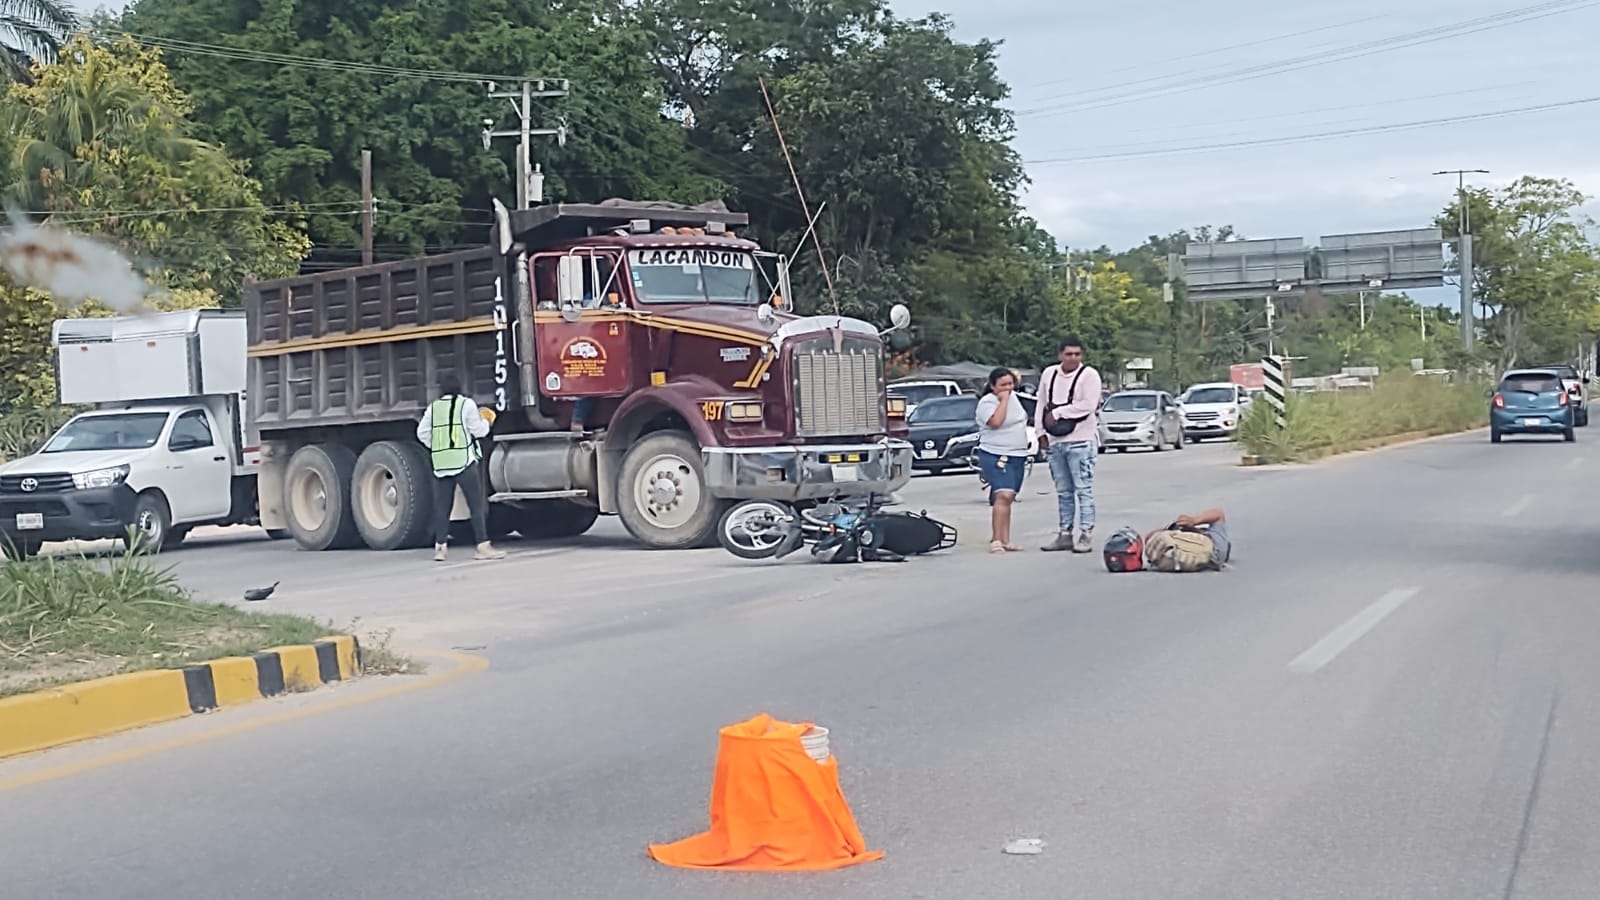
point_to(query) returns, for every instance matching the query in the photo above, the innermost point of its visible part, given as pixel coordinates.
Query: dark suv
(1574, 381)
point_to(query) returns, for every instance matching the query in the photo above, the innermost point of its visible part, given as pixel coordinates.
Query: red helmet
(1124, 551)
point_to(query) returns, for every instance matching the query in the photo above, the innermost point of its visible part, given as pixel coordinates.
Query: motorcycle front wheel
(756, 529)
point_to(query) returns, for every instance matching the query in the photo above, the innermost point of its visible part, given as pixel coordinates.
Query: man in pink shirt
(1067, 416)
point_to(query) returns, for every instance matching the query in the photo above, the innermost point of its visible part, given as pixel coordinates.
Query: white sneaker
(487, 550)
(441, 552)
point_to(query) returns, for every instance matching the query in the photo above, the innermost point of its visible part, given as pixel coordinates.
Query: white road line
(1517, 508)
(1338, 640)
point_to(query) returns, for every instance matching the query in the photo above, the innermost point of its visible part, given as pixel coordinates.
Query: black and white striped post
(1272, 370)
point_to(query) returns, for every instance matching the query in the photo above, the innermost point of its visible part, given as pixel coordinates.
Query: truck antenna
(804, 206)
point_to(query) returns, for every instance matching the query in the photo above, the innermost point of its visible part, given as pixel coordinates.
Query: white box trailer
(167, 446)
(188, 353)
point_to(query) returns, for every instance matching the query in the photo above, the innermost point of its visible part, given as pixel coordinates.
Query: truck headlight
(897, 407)
(744, 411)
(100, 478)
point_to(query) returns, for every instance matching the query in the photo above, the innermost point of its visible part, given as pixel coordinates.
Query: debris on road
(1023, 847)
(261, 593)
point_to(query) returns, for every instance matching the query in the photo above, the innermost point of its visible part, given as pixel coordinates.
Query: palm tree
(31, 31)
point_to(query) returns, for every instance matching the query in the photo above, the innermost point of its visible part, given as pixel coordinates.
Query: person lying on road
(1194, 543)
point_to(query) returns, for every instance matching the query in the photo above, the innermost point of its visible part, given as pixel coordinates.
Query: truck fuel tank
(545, 461)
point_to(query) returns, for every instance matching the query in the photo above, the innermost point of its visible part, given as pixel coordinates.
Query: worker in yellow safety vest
(451, 427)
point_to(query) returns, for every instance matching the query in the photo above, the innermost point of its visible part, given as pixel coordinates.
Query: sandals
(997, 547)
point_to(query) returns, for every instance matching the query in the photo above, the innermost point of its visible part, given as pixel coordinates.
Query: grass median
(1399, 405)
(71, 618)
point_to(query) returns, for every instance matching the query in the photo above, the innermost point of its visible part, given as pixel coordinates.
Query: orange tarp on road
(773, 808)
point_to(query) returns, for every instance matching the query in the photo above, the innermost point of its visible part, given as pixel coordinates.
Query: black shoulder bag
(1059, 427)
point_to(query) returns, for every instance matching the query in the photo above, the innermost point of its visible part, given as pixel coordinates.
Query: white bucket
(816, 743)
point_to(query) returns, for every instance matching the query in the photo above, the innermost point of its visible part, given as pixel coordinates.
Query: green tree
(106, 146)
(31, 31)
(101, 144)
(302, 89)
(1536, 271)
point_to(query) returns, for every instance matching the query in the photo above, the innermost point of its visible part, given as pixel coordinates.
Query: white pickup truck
(166, 446)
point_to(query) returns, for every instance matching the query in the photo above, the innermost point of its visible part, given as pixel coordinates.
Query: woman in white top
(1002, 452)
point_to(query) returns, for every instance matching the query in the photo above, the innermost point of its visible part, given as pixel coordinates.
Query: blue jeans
(1072, 470)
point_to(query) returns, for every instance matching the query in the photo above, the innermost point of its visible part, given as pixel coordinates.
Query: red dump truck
(1250, 376)
(704, 391)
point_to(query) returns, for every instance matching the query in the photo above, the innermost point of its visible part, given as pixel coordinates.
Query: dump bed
(366, 344)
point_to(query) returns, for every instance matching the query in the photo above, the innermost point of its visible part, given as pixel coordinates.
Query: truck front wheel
(152, 521)
(392, 496)
(316, 497)
(662, 497)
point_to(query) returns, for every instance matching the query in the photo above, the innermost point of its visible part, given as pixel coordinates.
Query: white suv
(1213, 410)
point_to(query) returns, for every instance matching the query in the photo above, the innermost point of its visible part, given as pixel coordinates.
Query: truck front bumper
(811, 472)
(86, 515)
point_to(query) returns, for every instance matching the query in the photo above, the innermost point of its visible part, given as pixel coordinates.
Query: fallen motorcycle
(855, 530)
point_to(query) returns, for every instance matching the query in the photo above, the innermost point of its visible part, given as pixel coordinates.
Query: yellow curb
(90, 709)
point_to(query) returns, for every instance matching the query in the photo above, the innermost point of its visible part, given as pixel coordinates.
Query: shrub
(23, 431)
(1399, 403)
(63, 618)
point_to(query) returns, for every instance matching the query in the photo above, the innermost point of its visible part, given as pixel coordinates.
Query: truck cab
(162, 448)
(698, 387)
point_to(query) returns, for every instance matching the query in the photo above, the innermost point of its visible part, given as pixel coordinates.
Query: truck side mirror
(899, 316)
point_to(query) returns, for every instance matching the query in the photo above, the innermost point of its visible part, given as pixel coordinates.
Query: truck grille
(12, 484)
(838, 393)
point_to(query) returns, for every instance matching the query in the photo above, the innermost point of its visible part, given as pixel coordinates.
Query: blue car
(1531, 401)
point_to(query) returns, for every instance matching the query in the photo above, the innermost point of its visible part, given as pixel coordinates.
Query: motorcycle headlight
(100, 478)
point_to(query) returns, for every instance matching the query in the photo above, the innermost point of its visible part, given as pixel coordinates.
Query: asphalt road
(1389, 694)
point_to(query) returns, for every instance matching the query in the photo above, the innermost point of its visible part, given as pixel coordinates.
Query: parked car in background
(1531, 401)
(1140, 419)
(1574, 382)
(917, 392)
(934, 425)
(1213, 410)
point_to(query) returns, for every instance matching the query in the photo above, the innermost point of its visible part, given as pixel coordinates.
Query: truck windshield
(693, 275)
(124, 431)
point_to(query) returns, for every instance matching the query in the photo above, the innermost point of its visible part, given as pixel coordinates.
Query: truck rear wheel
(316, 497)
(542, 519)
(391, 496)
(662, 497)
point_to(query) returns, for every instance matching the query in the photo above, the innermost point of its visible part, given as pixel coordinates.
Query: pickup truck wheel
(662, 496)
(391, 496)
(316, 497)
(152, 522)
(543, 519)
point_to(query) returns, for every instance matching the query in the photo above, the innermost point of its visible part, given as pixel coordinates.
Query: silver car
(1140, 419)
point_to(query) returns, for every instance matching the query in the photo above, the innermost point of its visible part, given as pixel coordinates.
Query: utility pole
(1362, 295)
(530, 178)
(1464, 253)
(366, 208)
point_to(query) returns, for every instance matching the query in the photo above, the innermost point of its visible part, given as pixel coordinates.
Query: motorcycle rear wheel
(756, 529)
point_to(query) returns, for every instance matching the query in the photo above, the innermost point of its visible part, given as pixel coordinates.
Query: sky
(1135, 121)
(1094, 84)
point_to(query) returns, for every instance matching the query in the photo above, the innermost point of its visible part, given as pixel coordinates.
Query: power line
(1393, 101)
(1212, 52)
(1321, 135)
(1192, 82)
(196, 48)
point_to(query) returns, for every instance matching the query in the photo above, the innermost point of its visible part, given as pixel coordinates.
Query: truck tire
(543, 519)
(662, 497)
(316, 497)
(152, 520)
(391, 496)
